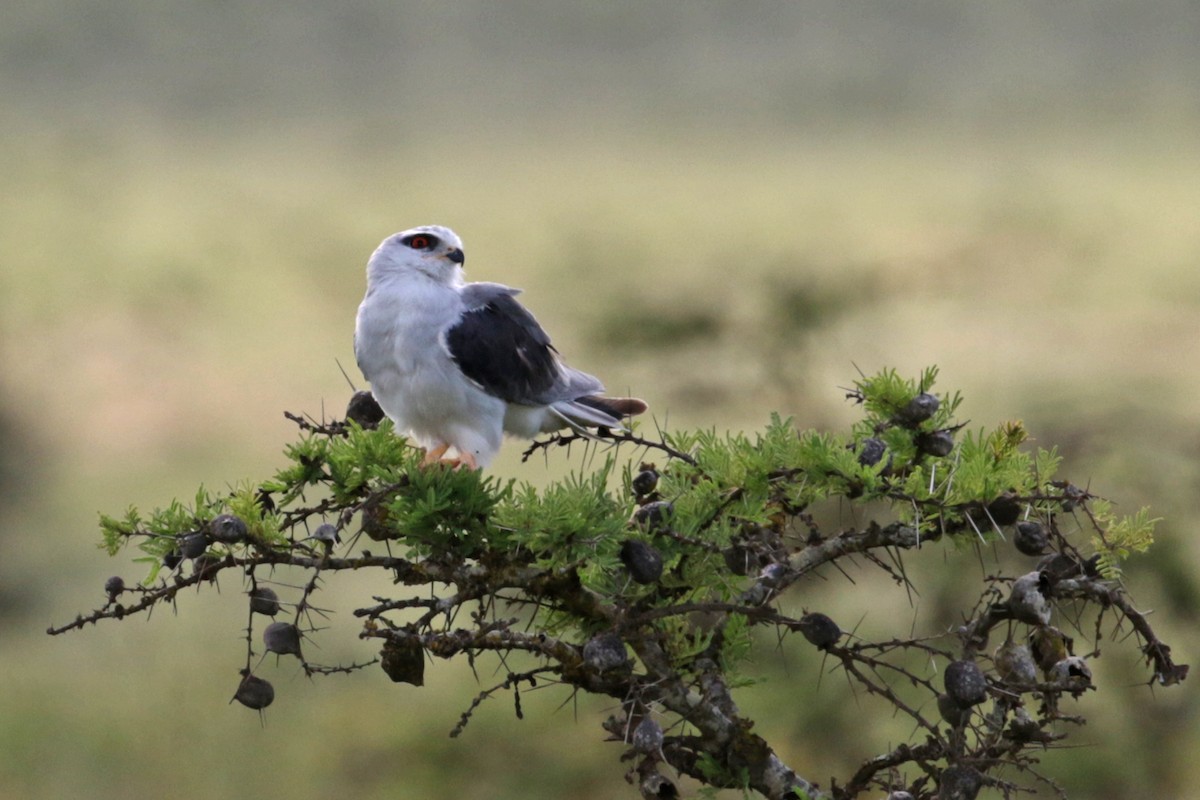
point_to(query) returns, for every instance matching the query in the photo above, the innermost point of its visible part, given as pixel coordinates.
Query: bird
(457, 365)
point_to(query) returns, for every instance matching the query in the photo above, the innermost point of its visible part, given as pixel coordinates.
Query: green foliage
(574, 522)
(445, 510)
(651, 591)
(735, 487)
(1118, 537)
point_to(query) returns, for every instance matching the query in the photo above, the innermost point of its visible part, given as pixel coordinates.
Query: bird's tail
(596, 411)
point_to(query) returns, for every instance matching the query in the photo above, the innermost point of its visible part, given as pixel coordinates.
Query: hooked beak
(456, 256)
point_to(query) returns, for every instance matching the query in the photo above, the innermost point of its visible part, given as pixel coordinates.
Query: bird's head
(431, 250)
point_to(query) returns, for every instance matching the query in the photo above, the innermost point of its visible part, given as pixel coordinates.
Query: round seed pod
(1031, 538)
(1027, 601)
(959, 782)
(1023, 727)
(192, 545)
(172, 560)
(938, 444)
(227, 529)
(1059, 567)
(403, 662)
(263, 600)
(965, 683)
(954, 714)
(254, 692)
(648, 736)
(364, 410)
(740, 559)
(1071, 669)
(919, 409)
(375, 522)
(871, 451)
(605, 651)
(654, 516)
(114, 586)
(1015, 665)
(644, 563)
(645, 482)
(655, 785)
(1004, 510)
(820, 630)
(282, 638)
(1048, 646)
(207, 566)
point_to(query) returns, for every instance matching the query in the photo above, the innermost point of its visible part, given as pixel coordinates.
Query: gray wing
(501, 347)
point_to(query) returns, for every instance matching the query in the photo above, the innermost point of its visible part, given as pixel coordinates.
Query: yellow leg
(435, 455)
(467, 460)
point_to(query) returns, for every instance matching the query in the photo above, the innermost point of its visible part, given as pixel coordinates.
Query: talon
(434, 456)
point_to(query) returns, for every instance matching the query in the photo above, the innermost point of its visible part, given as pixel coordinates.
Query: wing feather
(502, 348)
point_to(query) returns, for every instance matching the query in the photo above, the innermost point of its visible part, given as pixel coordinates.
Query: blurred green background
(726, 208)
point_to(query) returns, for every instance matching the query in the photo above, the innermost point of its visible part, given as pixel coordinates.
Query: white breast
(399, 346)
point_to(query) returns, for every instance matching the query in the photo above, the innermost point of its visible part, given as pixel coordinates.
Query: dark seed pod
(938, 444)
(263, 600)
(403, 662)
(740, 559)
(227, 529)
(648, 737)
(254, 692)
(820, 630)
(954, 715)
(1031, 538)
(375, 521)
(654, 516)
(1014, 664)
(871, 451)
(1059, 567)
(959, 782)
(645, 482)
(919, 409)
(1023, 727)
(605, 651)
(1004, 510)
(644, 563)
(282, 638)
(172, 559)
(192, 545)
(114, 586)
(207, 566)
(965, 683)
(1027, 602)
(364, 410)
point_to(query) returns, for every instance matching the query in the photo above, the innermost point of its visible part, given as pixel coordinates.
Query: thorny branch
(940, 682)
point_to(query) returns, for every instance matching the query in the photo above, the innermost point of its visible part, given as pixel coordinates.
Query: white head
(431, 250)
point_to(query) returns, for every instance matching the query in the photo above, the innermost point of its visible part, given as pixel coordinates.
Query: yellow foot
(434, 456)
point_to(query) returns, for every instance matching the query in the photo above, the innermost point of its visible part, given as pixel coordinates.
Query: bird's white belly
(416, 382)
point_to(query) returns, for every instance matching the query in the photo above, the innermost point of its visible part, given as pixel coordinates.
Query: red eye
(421, 241)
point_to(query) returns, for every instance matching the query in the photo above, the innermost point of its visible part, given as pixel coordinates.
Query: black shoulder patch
(501, 347)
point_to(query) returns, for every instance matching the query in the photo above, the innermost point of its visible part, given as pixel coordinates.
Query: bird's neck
(416, 279)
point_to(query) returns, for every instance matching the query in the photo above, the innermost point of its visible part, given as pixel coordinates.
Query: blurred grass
(168, 293)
